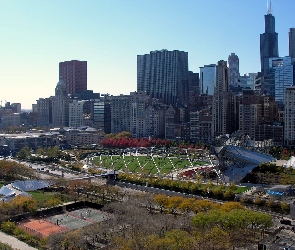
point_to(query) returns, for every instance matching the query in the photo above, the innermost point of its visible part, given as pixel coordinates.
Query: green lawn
(40, 196)
(145, 163)
(240, 189)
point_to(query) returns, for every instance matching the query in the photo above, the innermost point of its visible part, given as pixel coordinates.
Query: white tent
(290, 162)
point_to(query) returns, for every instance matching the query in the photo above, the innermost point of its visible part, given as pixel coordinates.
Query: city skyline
(109, 35)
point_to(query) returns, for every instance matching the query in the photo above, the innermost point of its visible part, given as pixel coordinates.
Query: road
(14, 242)
(47, 171)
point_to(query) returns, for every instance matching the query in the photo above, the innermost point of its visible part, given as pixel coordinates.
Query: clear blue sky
(109, 34)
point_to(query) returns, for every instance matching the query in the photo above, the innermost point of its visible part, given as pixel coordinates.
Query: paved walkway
(14, 242)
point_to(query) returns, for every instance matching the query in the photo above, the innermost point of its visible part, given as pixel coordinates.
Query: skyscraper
(101, 114)
(207, 79)
(220, 100)
(289, 118)
(292, 43)
(76, 118)
(164, 75)
(120, 113)
(268, 42)
(60, 105)
(292, 49)
(74, 74)
(44, 112)
(280, 77)
(223, 109)
(233, 69)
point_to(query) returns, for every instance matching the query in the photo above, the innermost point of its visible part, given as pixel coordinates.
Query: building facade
(268, 42)
(207, 79)
(155, 120)
(280, 77)
(250, 112)
(164, 75)
(74, 74)
(233, 69)
(292, 43)
(101, 115)
(44, 112)
(120, 113)
(289, 118)
(221, 110)
(139, 103)
(76, 117)
(60, 105)
(247, 81)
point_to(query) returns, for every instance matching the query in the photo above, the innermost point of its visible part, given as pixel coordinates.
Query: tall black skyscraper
(292, 43)
(268, 42)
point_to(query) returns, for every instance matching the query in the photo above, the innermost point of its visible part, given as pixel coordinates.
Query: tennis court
(67, 221)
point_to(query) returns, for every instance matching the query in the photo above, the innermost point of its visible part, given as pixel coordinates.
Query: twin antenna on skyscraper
(268, 4)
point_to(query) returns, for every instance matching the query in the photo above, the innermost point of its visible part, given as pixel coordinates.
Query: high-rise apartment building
(74, 74)
(120, 113)
(170, 123)
(223, 110)
(155, 120)
(201, 126)
(139, 103)
(164, 75)
(268, 42)
(233, 69)
(44, 112)
(76, 117)
(207, 79)
(250, 112)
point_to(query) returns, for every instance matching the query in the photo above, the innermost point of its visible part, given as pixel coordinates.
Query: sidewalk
(14, 242)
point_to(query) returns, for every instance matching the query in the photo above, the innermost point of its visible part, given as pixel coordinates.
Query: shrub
(285, 207)
(258, 201)
(8, 227)
(228, 195)
(18, 231)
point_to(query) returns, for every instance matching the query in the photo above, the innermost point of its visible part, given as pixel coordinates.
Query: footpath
(14, 242)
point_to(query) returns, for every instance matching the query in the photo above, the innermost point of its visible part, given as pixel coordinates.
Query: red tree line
(134, 142)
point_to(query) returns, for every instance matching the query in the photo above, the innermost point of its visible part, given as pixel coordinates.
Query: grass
(240, 190)
(145, 163)
(41, 196)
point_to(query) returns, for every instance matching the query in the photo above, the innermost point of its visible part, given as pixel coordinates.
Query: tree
(24, 153)
(187, 205)
(217, 239)
(53, 202)
(228, 206)
(26, 204)
(180, 239)
(207, 219)
(162, 201)
(173, 203)
(260, 220)
(285, 207)
(204, 205)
